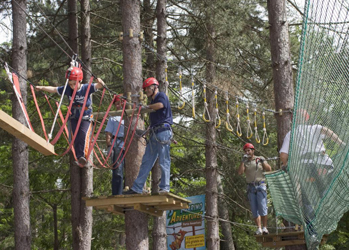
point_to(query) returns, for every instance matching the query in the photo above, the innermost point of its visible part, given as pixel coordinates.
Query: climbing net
(314, 190)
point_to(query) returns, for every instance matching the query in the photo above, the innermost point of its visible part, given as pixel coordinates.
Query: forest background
(243, 69)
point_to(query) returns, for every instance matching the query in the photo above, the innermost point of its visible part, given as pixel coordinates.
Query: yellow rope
(265, 135)
(238, 126)
(180, 88)
(249, 133)
(227, 123)
(217, 111)
(205, 107)
(258, 140)
(193, 95)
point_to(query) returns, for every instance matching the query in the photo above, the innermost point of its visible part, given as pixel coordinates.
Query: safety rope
(72, 64)
(205, 107)
(15, 84)
(217, 111)
(192, 96)
(256, 135)
(180, 88)
(39, 111)
(166, 79)
(265, 140)
(238, 126)
(227, 123)
(249, 132)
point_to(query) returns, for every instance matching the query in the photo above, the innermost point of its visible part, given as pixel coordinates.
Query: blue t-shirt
(79, 98)
(163, 115)
(112, 127)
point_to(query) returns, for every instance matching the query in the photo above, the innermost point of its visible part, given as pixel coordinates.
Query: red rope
(39, 112)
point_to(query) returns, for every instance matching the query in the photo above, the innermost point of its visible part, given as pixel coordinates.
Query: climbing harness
(192, 96)
(180, 88)
(265, 139)
(217, 111)
(227, 123)
(249, 132)
(238, 126)
(205, 107)
(258, 140)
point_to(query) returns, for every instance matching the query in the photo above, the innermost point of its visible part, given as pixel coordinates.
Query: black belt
(80, 106)
(256, 183)
(161, 127)
(120, 138)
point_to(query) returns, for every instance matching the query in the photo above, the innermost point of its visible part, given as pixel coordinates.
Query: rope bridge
(314, 190)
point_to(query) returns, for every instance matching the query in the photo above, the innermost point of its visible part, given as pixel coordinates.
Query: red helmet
(150, 81)
(75, 74)
(248, 145)
(117, 98)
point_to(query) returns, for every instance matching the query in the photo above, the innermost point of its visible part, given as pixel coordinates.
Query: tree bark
(136, 223)
(159, 229)
(211, 147)
(82, 178)
(228, 242)
(282, 73)
(73, 26)
(19, 148)
(282, 68)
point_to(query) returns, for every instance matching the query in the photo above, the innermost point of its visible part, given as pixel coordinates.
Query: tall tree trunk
(211, 147)
(19, 148)
(136, 223)
(282, 73)
(228, 242)
(73, 26)
(55, 227)
(282, 68)
(159, 229)
(148, 22)
(81, 179)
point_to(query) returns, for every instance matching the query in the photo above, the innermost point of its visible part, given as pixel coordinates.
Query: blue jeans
(257, 195)
(117, 181)
(156, 147)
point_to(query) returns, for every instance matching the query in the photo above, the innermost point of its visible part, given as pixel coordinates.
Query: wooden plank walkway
(284, 239)
(151, 204)
(23, 133)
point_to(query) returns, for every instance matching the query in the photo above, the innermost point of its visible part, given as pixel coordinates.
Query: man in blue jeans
(253, 167)
(117, 182)
(159, 142)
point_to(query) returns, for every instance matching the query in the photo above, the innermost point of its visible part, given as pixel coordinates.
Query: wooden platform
(284, 239)
(23, 133)
(151, 204)
(127, 111)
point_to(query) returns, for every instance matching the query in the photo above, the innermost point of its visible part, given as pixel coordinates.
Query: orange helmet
(248, 145)
(117, 98)
(75, 74)
(303, 113)
(150, 81)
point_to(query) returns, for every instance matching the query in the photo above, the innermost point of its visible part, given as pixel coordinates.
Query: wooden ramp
(23, 133)
(127, 112)
(151, 204)
(284, 239)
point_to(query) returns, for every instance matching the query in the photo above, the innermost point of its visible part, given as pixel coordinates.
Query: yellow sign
(195, 241)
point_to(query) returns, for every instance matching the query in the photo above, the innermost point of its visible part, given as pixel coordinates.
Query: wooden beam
(127, 111)
(23, 133)
(130, 200)
(148, 210)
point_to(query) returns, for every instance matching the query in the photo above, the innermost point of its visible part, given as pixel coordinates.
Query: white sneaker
(258, 232)
(265, 230)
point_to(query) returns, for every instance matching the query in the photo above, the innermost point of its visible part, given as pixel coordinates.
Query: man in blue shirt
(117, 183)
(159, 142)
(82, 139)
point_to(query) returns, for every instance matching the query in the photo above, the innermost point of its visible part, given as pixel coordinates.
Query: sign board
(186, 228)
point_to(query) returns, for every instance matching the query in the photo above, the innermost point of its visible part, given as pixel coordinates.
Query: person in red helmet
(74, 75)
(253, 167)
(159, 142)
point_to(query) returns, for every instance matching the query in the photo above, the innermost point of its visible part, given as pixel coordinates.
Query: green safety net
(314, 192)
